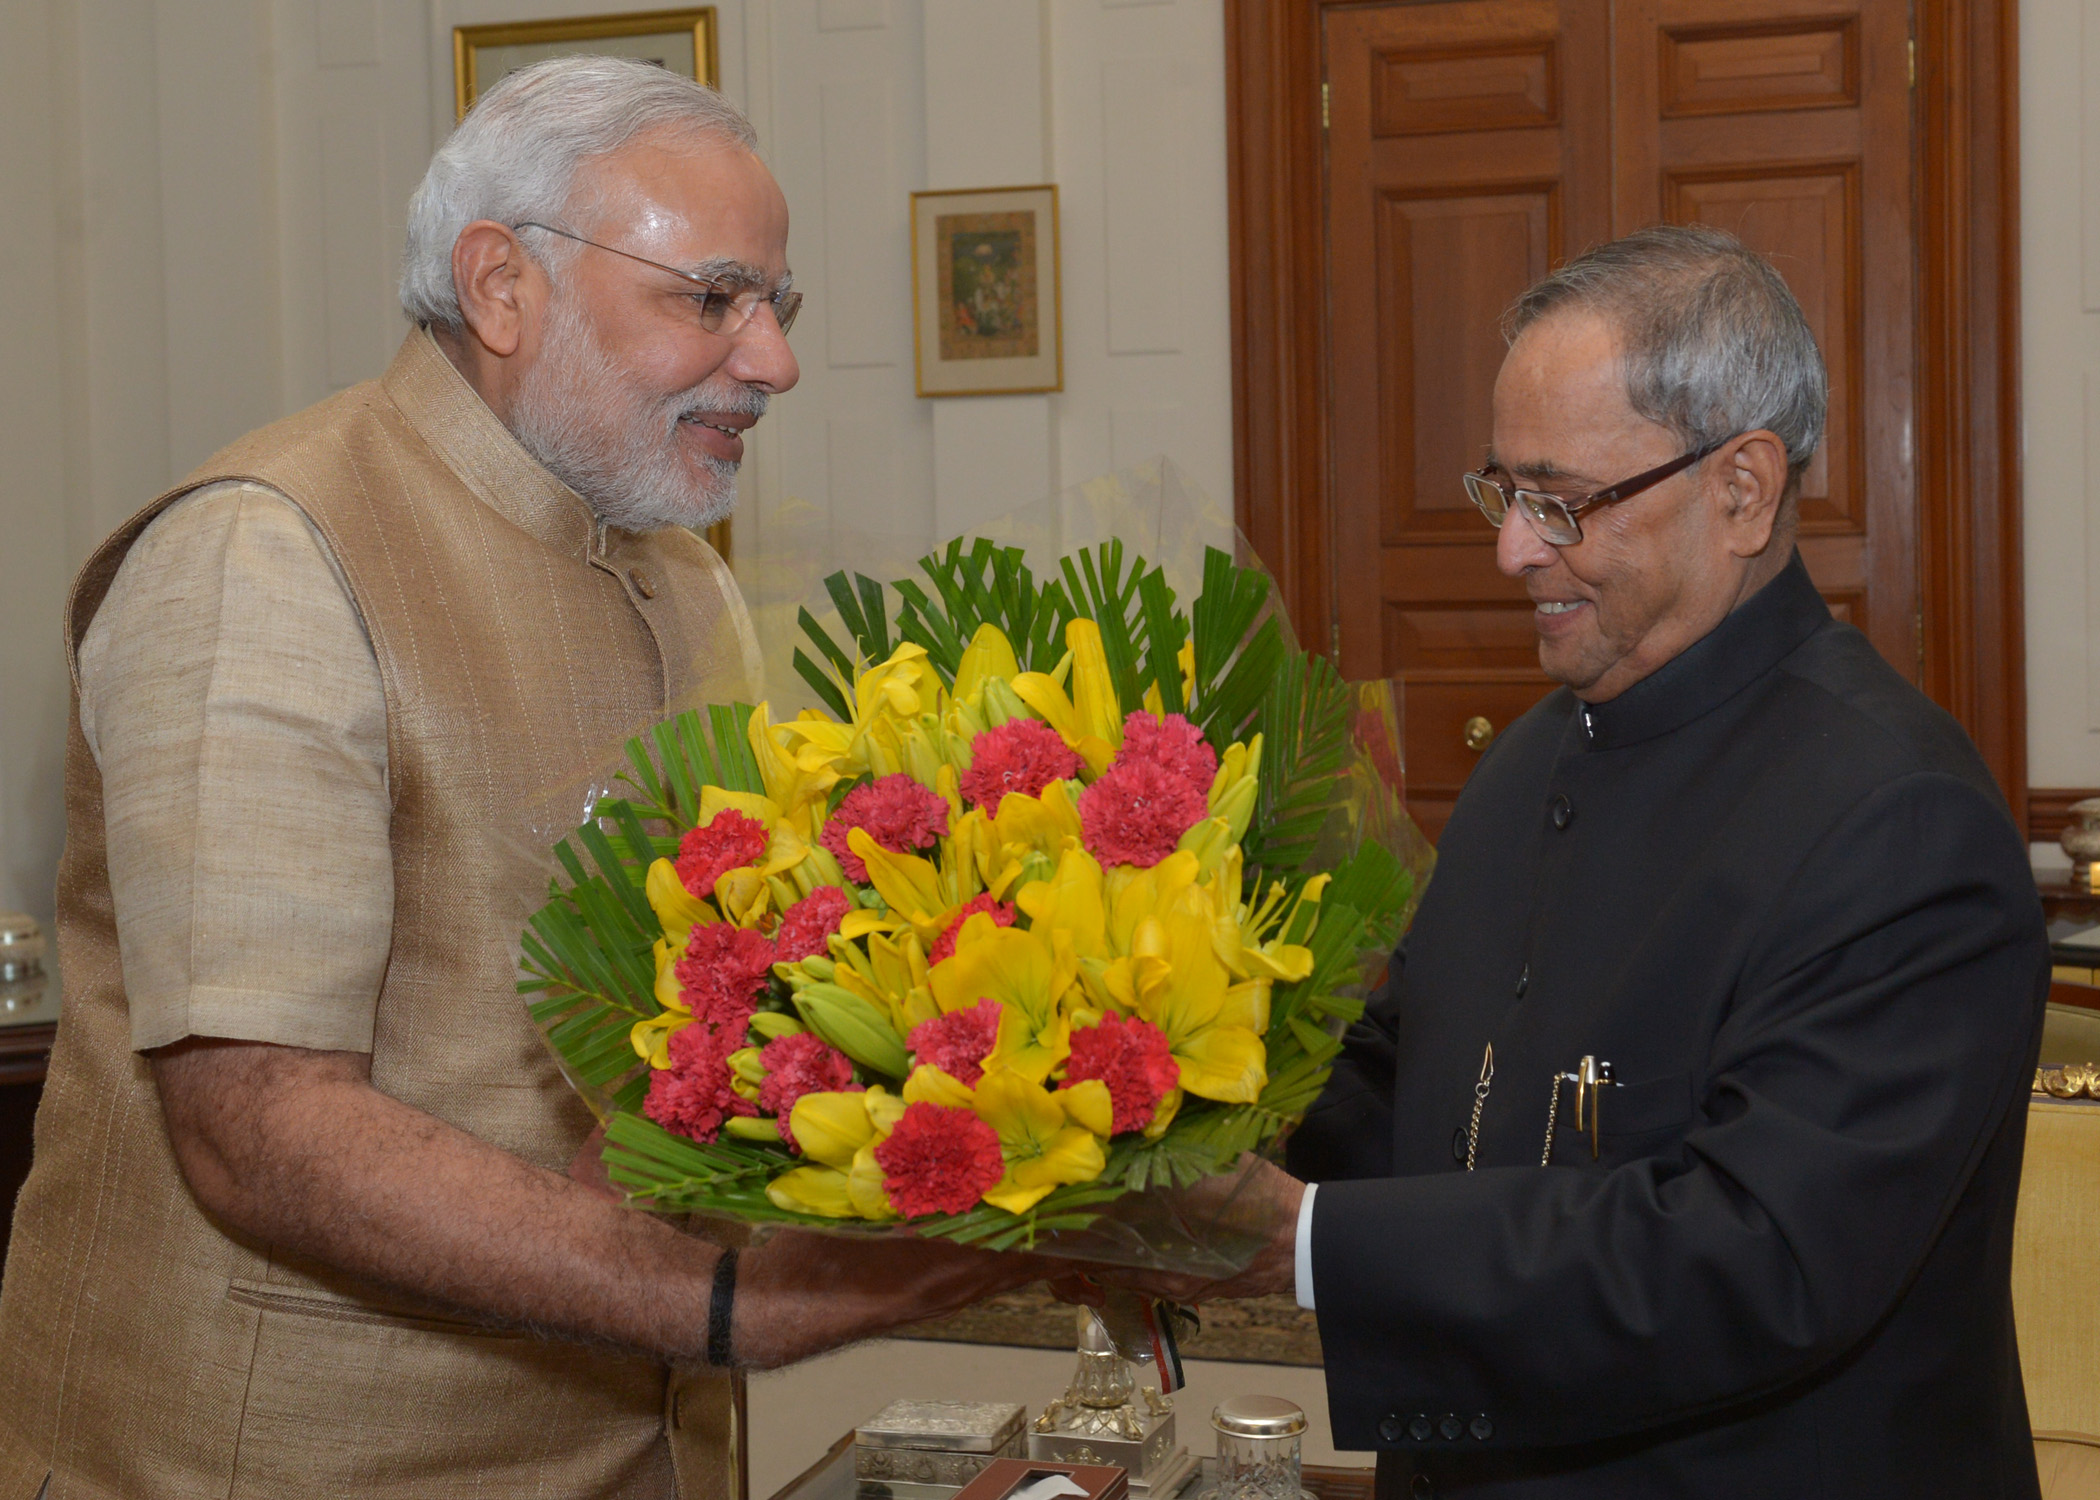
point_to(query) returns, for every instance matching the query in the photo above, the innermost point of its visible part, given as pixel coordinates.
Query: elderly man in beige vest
(299, 1223)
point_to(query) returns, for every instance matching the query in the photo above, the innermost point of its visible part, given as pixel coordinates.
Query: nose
(760, 355)
(1518, 545)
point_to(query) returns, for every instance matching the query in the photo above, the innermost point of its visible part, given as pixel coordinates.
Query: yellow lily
(1028, 975)
(1135, 894)
(677, 910)
(893, 703)
(1044, 1147)
(913, 888)
(990, 654)
(1089, 717)
(798, 775)
(1073, 901)
(1174, 979)
(1038, 825)
(813, 1190)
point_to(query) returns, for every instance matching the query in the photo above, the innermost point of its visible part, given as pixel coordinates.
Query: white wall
(204, 199)
(2060, 380)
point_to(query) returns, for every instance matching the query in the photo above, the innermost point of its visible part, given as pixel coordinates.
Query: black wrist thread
(721, 1306)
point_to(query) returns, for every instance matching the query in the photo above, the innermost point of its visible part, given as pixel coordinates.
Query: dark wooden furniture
(1400, 170)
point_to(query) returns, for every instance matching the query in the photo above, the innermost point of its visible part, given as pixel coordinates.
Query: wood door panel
(1748, 67)
(1805, 220)
(1513, 86)
(1448, 266)
(1488, 633)
(1460, 163)
(1439, 705)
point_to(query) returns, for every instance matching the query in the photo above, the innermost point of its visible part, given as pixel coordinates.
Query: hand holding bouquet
(1061, 901)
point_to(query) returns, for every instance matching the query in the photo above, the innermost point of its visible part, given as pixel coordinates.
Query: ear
(499, 287)
(1749, 474)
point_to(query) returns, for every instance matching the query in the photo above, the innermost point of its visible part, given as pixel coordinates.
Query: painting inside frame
(985, 291)
(684, 41)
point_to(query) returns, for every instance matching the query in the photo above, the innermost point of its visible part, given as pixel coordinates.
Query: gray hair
(1715, 344)
(516, 155)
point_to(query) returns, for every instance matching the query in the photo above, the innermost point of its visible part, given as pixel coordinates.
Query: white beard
(617, 447)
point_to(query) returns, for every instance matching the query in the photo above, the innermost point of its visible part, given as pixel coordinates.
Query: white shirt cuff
(1305, 1285)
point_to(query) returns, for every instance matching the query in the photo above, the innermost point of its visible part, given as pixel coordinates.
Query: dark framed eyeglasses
(1554, 516)
(721, 311)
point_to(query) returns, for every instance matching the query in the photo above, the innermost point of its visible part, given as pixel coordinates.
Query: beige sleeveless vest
(149, 1351)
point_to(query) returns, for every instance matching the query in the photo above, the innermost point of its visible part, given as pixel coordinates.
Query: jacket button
(1391, 1430)
(1450, 1429)
(1481, 1428)
(1458, 1144)
(1422, 1488)
(1523, 981)
(1563, 811)
(643, 583)
(1420, 1428)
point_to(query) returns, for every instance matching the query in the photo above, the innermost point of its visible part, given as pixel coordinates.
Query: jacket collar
(1759, 634)
(474, 445)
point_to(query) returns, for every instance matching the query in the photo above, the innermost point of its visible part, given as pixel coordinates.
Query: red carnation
(805, 925)
(722, 973)
(958, 1042)
(1171, 743)
(899, 814)
(797, 1065)
(1137, 813)
(692, 1097)
(725, 842)
(1022, 756)
(1133, 1058)
(944, 945)
(939, 1161)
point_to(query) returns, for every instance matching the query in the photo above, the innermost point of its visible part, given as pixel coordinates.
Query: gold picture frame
(686, 40)
(481, 55)
(986, 292)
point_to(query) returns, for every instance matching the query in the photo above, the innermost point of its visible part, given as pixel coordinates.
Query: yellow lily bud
(812, 1190)
(772, 1025)
(751, 1128)
(831, 1127)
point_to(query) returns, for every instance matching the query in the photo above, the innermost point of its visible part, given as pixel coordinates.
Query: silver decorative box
(927, 1450)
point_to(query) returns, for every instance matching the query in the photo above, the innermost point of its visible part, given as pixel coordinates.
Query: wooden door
(1474, 145)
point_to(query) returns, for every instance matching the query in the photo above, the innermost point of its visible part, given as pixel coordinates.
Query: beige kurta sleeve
(231, 698)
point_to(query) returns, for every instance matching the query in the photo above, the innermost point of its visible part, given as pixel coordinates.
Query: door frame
(1965, 98)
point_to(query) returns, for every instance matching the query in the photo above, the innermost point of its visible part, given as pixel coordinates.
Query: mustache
(739, 400)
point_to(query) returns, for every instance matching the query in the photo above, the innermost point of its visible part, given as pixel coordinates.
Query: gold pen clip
(1591, 1078)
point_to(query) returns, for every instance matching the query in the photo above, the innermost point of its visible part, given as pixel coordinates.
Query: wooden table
(831, 1478)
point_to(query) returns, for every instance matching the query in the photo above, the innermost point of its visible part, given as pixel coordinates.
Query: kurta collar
(1752, 640)
(474, 445)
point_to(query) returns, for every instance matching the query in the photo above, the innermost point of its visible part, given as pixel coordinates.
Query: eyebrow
(1544, 470)
(727, 273)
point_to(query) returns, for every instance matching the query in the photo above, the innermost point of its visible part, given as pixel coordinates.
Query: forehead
(1560, 397)
(684, 201)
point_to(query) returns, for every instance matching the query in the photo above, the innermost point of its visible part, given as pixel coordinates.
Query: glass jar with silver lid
(1260, 1448)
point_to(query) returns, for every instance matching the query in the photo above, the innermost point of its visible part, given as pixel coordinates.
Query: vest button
(643, 583)
(1524, 981)
(1390, 1430)
(1458, 1145)
(1563, 812)
(1481, 1428)
(1420, 1428)
(1450, 1429)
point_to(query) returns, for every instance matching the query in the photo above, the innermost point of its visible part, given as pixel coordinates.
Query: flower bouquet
(1063, 898)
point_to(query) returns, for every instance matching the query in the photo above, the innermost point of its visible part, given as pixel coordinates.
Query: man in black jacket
(1679, 1153)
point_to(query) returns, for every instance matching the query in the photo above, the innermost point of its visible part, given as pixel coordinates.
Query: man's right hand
(803, 1292)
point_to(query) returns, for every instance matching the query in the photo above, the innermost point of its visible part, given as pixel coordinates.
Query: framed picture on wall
(986, 319)
(682, 40)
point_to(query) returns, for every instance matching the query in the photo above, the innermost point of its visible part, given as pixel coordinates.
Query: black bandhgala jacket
(1775, 888)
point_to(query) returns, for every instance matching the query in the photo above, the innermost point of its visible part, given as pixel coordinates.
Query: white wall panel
(867, 228)
(852, 15)
(1143, 160)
